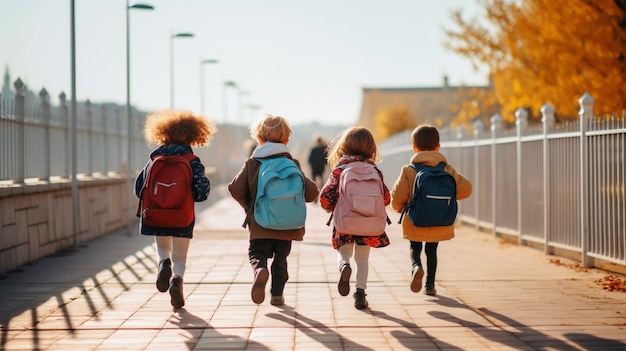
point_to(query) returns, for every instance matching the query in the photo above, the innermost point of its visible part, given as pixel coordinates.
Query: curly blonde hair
(355, 141)
(170, 127)
(270, 128)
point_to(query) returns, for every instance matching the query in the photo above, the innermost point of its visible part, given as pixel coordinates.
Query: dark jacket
(243, 189)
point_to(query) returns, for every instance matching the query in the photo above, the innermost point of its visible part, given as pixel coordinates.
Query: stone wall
(36, 219)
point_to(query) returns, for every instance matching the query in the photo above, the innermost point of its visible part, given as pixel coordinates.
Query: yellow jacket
(403, 191)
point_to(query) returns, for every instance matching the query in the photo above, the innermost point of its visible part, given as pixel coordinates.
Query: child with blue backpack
(355, 230)
(272, 190)
(433, 221)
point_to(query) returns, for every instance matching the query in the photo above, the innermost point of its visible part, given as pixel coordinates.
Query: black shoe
(344, 280)
(176, 293)
(165, 273)
(360, 302)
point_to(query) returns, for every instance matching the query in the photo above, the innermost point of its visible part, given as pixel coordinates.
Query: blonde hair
(170, 127)
(270, 128)
(355, 141)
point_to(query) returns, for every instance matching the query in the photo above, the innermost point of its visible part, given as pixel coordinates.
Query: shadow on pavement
(201, 332)
(316, 330)
(45, 288)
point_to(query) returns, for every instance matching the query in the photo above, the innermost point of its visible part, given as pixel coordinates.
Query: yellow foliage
(546, 51)
(394, 120)
(476, 104)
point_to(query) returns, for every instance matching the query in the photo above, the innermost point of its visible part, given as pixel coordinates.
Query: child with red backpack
(356, 194)
(167, 187)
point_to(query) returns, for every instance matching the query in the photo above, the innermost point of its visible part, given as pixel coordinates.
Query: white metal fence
(35, 138)
(558, 185)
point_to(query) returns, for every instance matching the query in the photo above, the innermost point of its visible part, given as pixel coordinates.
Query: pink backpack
(360, 208)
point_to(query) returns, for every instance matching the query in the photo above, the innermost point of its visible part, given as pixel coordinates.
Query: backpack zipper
(439, 197)
(156, 186)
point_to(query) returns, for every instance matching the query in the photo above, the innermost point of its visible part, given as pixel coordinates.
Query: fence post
(105, 137)
(89, 138)
(120, 153)
(521, 123)
(21, 137)
(585, 115)
(65, 115)
(45, 113)
(496, 124)
(547, 119)
(478, 128)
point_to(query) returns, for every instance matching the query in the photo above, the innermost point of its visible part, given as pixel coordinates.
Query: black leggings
(431, 259)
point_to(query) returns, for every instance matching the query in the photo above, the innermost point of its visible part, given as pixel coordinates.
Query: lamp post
(172, 37)
(129, 175)
(202, 97)
(226, 84)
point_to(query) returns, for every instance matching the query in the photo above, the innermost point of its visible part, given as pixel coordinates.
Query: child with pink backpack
(356, 195)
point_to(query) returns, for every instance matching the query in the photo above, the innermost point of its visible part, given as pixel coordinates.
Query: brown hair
(425, 137)
(356, 141)
(274, 129)
(169, 127)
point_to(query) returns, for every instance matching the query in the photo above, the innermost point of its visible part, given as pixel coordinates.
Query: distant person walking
(317, 161)
(167, 187)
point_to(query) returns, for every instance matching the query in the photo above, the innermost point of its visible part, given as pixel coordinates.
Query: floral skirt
(339, 240)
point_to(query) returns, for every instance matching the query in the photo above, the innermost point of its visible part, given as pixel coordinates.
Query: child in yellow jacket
(425, 140)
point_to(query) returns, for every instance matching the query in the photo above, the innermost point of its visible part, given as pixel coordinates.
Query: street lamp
(129, 175)
(227, 84)
(202, 63)
(172, 37)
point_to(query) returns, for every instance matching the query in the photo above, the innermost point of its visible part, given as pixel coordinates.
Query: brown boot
(176, 293)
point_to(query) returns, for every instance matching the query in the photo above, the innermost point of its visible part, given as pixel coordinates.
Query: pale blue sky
(302, 59)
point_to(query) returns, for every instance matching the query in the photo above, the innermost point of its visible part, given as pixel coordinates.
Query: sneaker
(277, 300)
(165, 273)
(261, 275)
(430, 290)
(176, 293)
(360, 302)
(416, 279)
(344, 280)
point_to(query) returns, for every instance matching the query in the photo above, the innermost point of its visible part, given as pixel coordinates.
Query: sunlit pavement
(491, 295)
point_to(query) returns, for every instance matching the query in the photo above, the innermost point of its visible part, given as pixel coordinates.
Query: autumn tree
(476, 103)
(394, 120)
(546, 51)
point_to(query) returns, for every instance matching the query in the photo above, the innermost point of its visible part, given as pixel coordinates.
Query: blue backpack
(434, 197)
(279, 202)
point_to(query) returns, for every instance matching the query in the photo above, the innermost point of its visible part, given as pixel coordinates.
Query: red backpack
(166, 200)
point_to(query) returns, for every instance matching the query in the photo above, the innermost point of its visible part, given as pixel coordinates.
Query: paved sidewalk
(491, 296)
